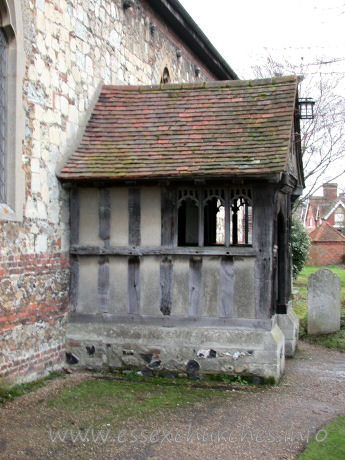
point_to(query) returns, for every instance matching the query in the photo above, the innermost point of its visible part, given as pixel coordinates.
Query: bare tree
(323, 138)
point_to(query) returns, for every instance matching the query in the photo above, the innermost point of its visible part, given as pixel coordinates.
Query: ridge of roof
(204, 84)
(325, 205)
(325, 232)
(338, 203)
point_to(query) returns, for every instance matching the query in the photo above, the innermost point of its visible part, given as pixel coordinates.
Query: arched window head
(214, 216)
(241, 220)
(188, 217)
(165, 76)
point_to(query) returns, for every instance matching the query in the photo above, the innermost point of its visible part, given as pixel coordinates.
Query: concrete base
(177, 350)
(289, 324)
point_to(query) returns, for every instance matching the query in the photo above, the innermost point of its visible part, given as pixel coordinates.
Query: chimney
(330, 191)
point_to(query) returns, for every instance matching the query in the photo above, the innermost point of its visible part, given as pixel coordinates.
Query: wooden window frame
(227, 196)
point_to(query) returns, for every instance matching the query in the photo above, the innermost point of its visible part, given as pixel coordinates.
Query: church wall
(70, 49)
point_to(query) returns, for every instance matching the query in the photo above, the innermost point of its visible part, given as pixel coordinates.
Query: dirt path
(266, 423)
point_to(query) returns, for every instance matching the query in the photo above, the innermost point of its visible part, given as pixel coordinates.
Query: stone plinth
(233, 351)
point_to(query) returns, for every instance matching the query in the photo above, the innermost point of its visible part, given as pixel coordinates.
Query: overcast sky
(246, 31)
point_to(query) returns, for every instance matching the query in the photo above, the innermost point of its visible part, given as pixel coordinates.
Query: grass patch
(9, 392)
(332, 448)
(240, 380)
(112, 400)
(230, 379)
(336, 340)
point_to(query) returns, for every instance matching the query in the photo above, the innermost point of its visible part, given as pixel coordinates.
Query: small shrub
(300, 243)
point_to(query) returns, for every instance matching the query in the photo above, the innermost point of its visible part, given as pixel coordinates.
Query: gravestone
(323, 302)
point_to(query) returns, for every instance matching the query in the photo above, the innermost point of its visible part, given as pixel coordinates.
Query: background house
(327, 246)
(324, 220)
(330, 208)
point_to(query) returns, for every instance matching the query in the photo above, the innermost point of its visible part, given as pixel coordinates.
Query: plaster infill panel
(119, 216)
(150, 286)
(88, 285)
(180, 292)
(150, 216)
(89, 217)
(118, 279)
(244, 287)
(210, 276)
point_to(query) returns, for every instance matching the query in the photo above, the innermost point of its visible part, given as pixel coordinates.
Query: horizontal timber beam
(243, 251)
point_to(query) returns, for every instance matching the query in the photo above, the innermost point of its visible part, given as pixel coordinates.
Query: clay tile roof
(187, 130)
(325, 205)
(326, 233)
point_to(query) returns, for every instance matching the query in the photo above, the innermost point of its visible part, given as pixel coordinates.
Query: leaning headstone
(323, 302)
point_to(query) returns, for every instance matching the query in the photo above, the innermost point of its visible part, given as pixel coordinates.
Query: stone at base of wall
(176, 350)
(289, 324)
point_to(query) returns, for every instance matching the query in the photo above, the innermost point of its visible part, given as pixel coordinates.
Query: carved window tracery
(215, 216)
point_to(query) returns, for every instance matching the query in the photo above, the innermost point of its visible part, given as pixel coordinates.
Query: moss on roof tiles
(158, 128)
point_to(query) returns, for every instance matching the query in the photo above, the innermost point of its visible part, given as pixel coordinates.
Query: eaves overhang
(181, 22)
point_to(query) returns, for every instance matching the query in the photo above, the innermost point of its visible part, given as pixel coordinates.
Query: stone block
(289, 324)
(323, 302)
(236, 351)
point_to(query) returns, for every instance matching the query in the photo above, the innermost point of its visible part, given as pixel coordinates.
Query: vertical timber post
(169, 217)
(263, 210)
(104, 215)
(195, 287)
(226, 280)
(74, 240)
(134, 239)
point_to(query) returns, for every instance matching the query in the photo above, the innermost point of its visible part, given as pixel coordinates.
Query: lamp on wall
(306, 108)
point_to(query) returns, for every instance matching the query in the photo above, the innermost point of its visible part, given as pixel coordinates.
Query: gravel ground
(268, 422)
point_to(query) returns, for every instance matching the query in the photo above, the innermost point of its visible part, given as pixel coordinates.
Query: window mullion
(201, 219)
(246, 223)
(227, 218)
(234, 209)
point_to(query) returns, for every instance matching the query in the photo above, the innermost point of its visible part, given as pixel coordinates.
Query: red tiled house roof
(326, 232)
(324, 205)
(178, 131)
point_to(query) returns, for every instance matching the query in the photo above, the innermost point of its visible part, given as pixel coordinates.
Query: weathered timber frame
(190, 253)
(265, 200)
